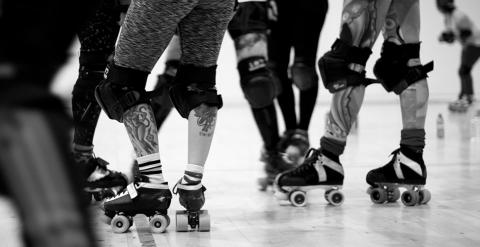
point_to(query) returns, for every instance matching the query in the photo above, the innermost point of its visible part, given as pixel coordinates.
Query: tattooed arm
(141, 128)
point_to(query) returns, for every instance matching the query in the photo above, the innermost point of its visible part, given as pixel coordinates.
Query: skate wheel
(298, 198)
(378, 195)
(181, 219)
(335, 198)
(425, 196)
(120, 224)
(158, 223)
(410, 198)
(204, 221)
(394, 195)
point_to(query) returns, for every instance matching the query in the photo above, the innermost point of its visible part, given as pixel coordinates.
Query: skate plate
(192, 221)
(414, 194)
(297, 195)
(121, 222)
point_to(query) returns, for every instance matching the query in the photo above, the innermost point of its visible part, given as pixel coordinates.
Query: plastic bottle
(475, 127)
(440, 126)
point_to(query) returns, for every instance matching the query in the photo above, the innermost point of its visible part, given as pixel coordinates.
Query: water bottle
(440, 126)
(475, 127)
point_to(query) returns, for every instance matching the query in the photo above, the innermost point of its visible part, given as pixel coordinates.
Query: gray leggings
(150, 25)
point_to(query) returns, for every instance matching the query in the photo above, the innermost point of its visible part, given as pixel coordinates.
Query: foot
(295, 144)
(191, 197)
(140, 197)
(100, 180)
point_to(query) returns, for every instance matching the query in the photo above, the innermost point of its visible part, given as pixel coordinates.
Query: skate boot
(295, 144)
(192, 198)
(317, 172)
(461, 104)
(140, 197)
(406, 169)
(274, 163)
(99, 181)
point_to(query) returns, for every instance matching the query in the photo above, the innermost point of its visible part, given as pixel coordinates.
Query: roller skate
(274, 163)
(140, 197)
(406, 169)
(461, 104)
(99, 181)
(192, 198)
(295, 144)
(317, 172)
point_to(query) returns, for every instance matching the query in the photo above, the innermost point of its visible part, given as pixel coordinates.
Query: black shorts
(251, 17)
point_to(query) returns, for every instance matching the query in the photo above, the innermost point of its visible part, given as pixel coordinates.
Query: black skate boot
(405, 169)
(140, 197)
(274, 163)
(192, 198)
(100, 181)
(295, 144)
(318, 171)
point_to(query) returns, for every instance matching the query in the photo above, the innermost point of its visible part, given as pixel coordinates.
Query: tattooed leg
(251, 44)
(142, 131)
(403, 28)
(361, 23)
(201, 126)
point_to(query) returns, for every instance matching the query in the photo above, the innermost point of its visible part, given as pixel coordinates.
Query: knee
(304, 77)
(257, 82)
(193, 87)
(464, 70)
(122, 89)
(90, 73)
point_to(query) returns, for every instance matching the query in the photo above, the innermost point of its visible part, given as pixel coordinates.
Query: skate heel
(415, 194)
(192, 221)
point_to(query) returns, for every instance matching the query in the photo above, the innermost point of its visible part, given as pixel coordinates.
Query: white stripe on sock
(194, 168)
(148, 158)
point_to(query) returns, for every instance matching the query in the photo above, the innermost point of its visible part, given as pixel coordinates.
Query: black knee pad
(90, 73)
(464, 70)
(303, 76)
(257, 82)
(392, 69)
(251, 17)
(193, 86)
(343, 66)
(122, 89)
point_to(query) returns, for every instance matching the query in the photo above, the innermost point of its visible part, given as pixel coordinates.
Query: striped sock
(193, 175)
(150, 166)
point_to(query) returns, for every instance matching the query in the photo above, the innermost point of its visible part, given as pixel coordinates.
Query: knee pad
(256, 82)
(464, 70)
(193, 86)
(392, 69)
(343, 66)
(122, 89)
(251, 17)
(303, 76)
(90, 73)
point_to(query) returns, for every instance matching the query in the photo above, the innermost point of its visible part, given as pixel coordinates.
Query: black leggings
(299, 25)
(470, 55)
